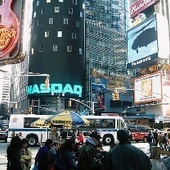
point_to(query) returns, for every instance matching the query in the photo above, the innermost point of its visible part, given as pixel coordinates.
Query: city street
(3, 146)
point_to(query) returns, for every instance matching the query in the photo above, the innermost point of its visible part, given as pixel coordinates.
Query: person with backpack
(41, 158)
(88, 157)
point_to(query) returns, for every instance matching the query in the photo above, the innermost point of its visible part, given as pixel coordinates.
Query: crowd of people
(158, 139)
(78, 153)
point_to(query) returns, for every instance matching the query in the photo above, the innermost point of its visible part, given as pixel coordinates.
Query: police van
(20, 125)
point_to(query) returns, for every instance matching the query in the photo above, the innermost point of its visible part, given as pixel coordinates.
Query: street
(3, 146)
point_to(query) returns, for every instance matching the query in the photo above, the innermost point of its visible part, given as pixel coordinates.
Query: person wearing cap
(125, 156)
(88, 155)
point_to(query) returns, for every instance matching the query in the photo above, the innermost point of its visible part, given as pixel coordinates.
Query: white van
(21, 124)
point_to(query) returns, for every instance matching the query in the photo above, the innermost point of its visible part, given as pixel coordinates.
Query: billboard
(139, 6)
(57, 49)
(10, 16)
(148, 41)
(148, 88)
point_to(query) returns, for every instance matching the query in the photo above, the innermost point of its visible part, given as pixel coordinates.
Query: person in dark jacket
(88, 157)
(14, 154)
(125, 156)
(41, 158)
(64, 157)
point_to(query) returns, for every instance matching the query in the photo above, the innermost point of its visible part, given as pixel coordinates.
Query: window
(60, 0)
(42, 11)
(70, 10)
(81, 14)
(40, 48)
(38, 22)
(47, 33)
(34, 15)
(80, 51)
(59, 34)
(77, 24)
(48, 1)
(69, 48)
(73, 35)
(35, 37)
(28, 121)
(50, 20)
(32, 50)
(65, 21)
(56, 9)
(74, 2)
(55, 47)
(37, 3)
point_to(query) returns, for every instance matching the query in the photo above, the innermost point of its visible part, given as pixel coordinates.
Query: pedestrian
(88, 157)
(164, 141)
(53, 134)
(52, 152)
(20, 135)
(160, 135)
(125, 156)
(26, 155)
(64, 159)
(14, 154)
(80, 138)
(155, 136)
(150, 139)
(41, 159)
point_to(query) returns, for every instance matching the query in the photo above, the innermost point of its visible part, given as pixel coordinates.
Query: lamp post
(92, 104)
(29, 74)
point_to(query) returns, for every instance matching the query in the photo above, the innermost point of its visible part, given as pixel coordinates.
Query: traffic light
(69, 103)
(47, 83)
(115, 95)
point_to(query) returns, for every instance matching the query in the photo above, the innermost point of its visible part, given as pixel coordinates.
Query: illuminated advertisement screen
(142, 43)
(57, 49)
(10, 28)
(148, 88)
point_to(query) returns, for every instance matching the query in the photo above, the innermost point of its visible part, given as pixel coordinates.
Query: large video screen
(148, 88)
(143, 42)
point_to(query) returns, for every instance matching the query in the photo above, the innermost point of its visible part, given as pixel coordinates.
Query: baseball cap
(95, 135)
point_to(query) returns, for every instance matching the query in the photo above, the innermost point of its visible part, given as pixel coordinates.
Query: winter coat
(88, 156)
(127, 157)
(14, 162)
(26, 158)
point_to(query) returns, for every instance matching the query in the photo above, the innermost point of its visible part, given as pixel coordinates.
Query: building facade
(148, 52)
(104, 52)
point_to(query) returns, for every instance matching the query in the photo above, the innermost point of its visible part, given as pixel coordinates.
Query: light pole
(29, 74)
(92, 104)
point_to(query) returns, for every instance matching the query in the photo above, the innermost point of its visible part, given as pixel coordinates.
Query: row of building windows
(65, 22)
(55, 48)
(57, 10)
(74, 2)
(59, 35)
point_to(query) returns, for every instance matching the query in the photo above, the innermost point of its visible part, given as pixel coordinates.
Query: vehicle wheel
(145, 139)
(107, 139)
(32, 140)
